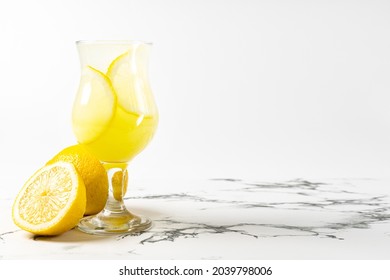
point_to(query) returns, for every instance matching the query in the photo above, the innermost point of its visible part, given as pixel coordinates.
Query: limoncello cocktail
(115, 117)
(114, 114)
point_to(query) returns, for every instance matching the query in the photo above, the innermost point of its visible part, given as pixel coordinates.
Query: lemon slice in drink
(52, 201)
(128, 76)
(119, 74)
(94, 106)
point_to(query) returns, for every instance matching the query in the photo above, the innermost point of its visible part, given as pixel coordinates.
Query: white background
(245, 88)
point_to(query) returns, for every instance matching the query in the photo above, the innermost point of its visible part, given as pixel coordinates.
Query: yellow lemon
(52, 201)
(92, 173)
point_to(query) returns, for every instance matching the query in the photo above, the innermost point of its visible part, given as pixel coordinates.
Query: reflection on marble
(229, 218)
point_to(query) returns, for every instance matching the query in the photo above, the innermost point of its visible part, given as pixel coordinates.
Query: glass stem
(115, 210)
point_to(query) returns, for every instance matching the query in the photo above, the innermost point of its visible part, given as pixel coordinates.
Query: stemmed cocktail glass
(114, 117)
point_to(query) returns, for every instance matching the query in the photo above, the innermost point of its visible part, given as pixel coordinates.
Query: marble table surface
(230, 218)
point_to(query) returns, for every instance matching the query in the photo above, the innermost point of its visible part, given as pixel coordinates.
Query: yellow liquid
(126, 135)
(114, 114)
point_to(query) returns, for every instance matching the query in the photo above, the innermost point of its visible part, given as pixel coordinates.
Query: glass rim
(112, 42)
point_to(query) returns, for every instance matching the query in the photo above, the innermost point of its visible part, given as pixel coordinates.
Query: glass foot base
(98, 226)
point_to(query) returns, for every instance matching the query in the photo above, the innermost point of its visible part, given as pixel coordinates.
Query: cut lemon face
(52, 201)
(94, 106)
(130, 81)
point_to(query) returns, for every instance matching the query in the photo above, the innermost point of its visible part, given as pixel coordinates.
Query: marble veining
(316, 218)
(373, 209)
(6, 233)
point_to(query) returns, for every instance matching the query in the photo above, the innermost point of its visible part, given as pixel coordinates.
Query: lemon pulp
(52, 201)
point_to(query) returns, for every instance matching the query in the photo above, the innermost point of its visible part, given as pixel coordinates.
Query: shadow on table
(76, 235)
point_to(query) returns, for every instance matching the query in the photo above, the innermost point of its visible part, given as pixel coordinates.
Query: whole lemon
(92, 173)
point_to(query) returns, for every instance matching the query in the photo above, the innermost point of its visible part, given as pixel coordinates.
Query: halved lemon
(52, 201)
(94, 107)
